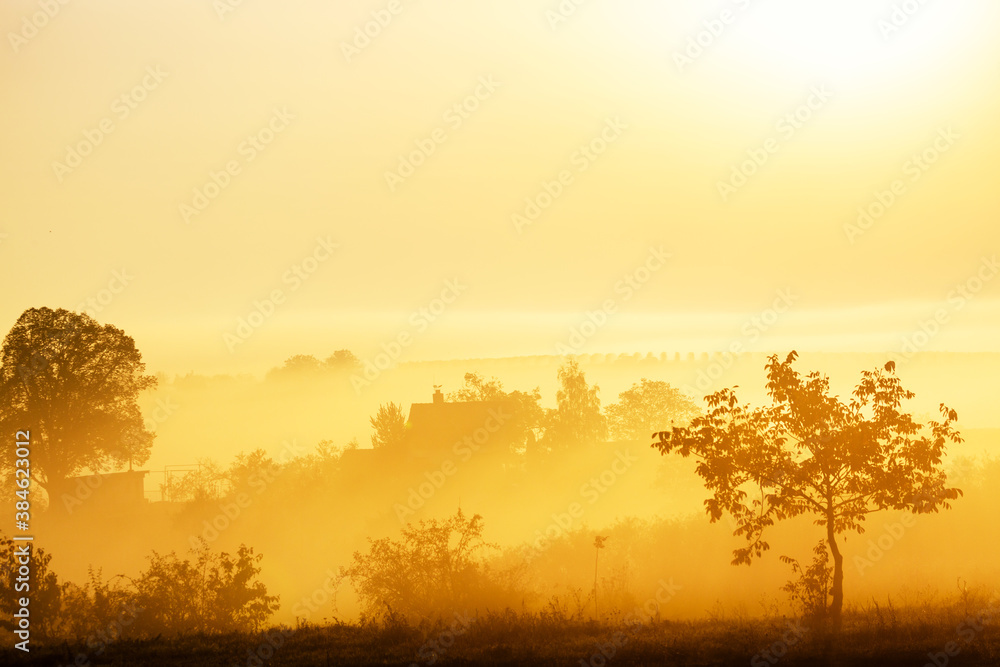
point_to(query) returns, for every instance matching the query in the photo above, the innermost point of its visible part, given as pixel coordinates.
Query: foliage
(207, 482)
(811, 453)
(306, 365)
(211, 593)
(434, 569)
(249, 471)
(301, 363)
(577, 419)
(45, 593)
(342, 360)
(810, 591)
(390, 426)
(99, 610)
(646, 407)
(526, 406)
(74, 383)
(311, 471)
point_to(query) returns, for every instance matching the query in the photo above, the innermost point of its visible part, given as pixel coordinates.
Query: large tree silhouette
(811, 453)
(74, 384)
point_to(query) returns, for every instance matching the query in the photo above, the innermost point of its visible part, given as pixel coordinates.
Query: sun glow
(851, 41)
(853, 38)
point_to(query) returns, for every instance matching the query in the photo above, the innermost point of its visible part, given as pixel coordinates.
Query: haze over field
(567, 322)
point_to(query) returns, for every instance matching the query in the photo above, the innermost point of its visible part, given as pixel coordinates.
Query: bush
(99, 611)
(433, 571)
(809, 593)
(212, 593)
(45, 593)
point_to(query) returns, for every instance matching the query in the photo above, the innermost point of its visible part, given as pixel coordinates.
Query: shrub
(434, 570)
(211, 593)
(809, 593)
(45, 593)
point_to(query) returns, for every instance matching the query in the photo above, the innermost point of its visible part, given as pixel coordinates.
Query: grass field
(877, 636)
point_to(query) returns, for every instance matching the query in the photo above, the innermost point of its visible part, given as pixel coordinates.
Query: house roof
(444, 424)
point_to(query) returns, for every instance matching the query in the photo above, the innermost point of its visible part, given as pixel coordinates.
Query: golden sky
(690, 163)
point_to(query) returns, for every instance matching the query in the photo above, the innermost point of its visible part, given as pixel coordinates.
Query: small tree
(390, 426)
(811, 453)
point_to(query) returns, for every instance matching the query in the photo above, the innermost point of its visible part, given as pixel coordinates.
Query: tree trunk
(837, 604)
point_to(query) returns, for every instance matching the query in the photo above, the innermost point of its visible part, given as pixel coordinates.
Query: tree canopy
(812, 453)
(577, 419)
(647, 406)
(389, 424)
(74, 383)
(527, 410)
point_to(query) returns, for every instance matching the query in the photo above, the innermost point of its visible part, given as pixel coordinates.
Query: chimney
(438, 396)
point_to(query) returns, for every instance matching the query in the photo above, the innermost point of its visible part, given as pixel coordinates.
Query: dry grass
(879, 633)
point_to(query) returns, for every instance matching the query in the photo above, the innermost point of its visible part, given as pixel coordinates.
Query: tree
(342, 360)
(811, 453)
(526, 406)
(434, 569)
(577, 418)
(296, 367)
(249, 472)
(647, 406)
(390, 426)
(74, 384)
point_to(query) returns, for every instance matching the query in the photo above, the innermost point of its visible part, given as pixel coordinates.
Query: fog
(317, 493)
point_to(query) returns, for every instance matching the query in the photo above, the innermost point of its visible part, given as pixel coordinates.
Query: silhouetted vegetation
(390, 426)
(515, 580)
(207, 593)
(435, 570)
(645, 407)
(577, 419)
(75, 385)
(811, 453)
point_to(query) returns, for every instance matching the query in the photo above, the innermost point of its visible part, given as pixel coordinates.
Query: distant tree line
(577, 420)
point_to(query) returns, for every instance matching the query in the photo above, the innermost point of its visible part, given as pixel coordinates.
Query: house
(440, 431)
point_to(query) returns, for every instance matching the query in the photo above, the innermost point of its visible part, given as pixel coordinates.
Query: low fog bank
(287, 467)
(220, 416)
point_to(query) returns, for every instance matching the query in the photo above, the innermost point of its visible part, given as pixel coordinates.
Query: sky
(233, 182)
